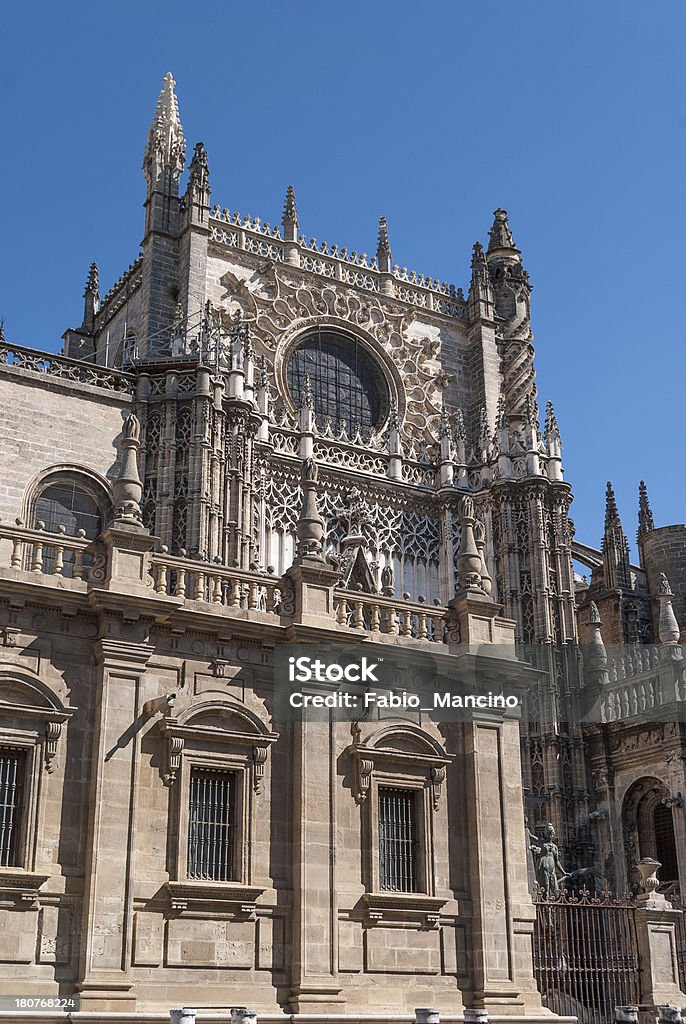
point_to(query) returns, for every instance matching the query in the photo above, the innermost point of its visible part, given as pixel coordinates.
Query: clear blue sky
(570, 115)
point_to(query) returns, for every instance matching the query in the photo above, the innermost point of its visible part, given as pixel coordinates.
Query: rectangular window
(397, 840)
(211, 825)
(11, 785)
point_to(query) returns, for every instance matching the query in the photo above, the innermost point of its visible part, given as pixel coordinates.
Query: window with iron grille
(12, 763)
(347, 385)
(211, 825)
(397, 840)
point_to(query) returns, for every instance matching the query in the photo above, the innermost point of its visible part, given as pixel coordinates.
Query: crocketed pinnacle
(500, 234)
(92, 282)
(199, 170)
(551, 427)
(166, 146)
(612, 519)
(383, 249)
(645, 515)
(290, 210)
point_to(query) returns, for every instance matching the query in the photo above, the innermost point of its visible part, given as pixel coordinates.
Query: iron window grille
(348, 387)
(397, 840)
(12, 768)
(211, 829)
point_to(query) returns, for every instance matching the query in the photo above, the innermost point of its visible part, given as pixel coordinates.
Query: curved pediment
(21, 688)
(406, 739)
(223, 717)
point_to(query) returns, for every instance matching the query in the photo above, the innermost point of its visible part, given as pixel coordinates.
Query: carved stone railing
(46, 364)
(214, 584)
(390, 616)
(337, 263)
(643, 681)
(47, 554)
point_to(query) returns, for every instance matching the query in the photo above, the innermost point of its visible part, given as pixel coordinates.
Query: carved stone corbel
(259, 759)
(437, 780)
(52, 735)
(174, 750)
(365, 767)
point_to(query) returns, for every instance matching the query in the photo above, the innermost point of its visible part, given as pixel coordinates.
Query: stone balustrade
(214, 584)
(48, 554)
(390, 616)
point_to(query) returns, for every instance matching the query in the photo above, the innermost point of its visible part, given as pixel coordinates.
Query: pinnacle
(500, 234)
(165, 138)
(384, 245)
(478, 254)
(611, 511)
(92, 281)
(551, 426)
(646, 523)
(290, 211)
(594, 614)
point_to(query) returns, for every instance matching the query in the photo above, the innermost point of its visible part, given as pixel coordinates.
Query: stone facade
(234, 517)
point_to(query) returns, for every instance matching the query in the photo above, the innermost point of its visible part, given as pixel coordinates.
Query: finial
(500, 234)
(393, 420)
(310, 526)
(595, 659)
(500, 417)
(668, 627)
(467, 559)
(645, 515)
(594, 615)
(127, 489)
(166, 147)
(444, 425)
(383, 249)
(2, 330)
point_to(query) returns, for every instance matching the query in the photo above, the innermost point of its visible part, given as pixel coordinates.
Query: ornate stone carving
(283, 306)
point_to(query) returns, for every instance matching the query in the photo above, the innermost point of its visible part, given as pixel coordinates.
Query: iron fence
(586, 956)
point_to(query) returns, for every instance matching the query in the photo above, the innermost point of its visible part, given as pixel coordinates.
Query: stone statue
(544, 849)
(310, 471)
(388, 581)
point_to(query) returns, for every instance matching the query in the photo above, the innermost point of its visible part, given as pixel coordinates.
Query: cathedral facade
(255, 440)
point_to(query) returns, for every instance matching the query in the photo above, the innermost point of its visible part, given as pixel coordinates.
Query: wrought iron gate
(586, 956)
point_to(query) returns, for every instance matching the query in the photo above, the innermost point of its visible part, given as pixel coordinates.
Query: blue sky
(571, 116)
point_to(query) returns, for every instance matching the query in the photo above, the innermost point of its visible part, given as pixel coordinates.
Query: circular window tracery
(348, 386)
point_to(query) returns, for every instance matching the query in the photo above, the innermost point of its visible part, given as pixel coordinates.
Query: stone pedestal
(308, 595)
(656, 923)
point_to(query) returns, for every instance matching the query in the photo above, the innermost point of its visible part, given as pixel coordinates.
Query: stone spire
(383, 249)
(645, 515)
(166, 147)
(668, 627)
(290, 216)
(91, 298)
(500, 236)
(615, 546)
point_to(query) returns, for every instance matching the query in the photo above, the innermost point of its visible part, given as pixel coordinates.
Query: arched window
(665, 844)
(69, 502)
(348, 385)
